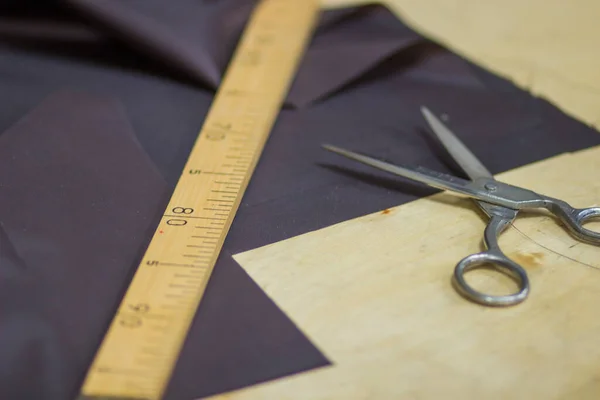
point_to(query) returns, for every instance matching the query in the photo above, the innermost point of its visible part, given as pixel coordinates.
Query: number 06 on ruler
(141, 347)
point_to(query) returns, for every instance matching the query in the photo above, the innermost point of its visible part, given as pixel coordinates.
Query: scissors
(500, 201)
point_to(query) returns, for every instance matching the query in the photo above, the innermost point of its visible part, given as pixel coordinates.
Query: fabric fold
(77, 201)
(349, 47)
(194, 38)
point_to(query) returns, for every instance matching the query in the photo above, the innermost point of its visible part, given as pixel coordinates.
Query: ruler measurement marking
(195, 281)
(190, 216)
(217, 173)
(173, 296)
(175, 264)
(183, 286)
(189, 282)
(190, 289)
(225, 191)
(175, 292)
(192, 279)
(152, 351)
(171, 306)
(156, 328)
(184, 276)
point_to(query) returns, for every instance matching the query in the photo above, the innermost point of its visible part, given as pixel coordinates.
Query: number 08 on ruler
(142, 344)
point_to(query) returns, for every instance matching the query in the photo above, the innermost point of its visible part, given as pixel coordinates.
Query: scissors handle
(575, 218)
(493, 257)
(498, 260)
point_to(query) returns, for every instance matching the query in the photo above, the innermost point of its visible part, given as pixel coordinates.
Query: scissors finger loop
(575, 218)
(584, 215)
(503, 264)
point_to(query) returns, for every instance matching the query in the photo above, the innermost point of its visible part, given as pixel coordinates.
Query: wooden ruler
(141, 347)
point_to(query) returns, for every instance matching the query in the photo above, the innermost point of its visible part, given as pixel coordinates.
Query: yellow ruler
(140, 349)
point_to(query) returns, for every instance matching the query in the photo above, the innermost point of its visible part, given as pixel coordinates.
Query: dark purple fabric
(101, 103)
(194, 37)
(62, 179)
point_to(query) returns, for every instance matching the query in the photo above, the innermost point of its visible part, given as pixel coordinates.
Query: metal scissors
(500, 201)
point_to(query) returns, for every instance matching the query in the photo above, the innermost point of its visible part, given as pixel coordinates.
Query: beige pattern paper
(374, 295)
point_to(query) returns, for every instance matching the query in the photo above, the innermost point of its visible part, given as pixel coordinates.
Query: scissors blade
(461, 154)
(467, 161)
(419, 174)
(503, 195)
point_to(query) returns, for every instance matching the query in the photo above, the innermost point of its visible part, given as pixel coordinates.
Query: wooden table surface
(385, 313)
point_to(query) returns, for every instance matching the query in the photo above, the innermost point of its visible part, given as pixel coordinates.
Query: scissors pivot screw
(490, 187)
